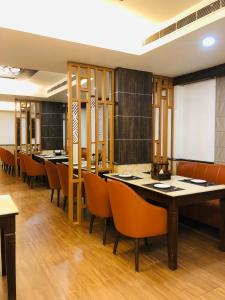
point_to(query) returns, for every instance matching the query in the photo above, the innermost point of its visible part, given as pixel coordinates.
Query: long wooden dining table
(182, 192)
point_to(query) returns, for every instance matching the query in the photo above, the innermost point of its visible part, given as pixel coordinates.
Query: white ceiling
(47, 79)
(157, 11)
(44, 43)
(35, 86)
(180, 56)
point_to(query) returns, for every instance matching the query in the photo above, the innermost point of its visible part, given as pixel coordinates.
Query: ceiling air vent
(153, 37)
(208, 9)
(187, 20)
(168, 30)
(216, 5)
(56, 87)
(59, 85)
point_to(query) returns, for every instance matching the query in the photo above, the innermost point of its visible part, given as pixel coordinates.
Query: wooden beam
(216, 71)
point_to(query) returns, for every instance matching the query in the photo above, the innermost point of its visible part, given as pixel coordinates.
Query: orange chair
(63, 174)
(2, 157)
(22, 166)
(53, 179)
(134, 217)
(97, 200)
(33, 169)
(8, 160)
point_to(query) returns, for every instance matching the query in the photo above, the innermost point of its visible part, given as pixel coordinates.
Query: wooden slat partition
(163, 105)
(23, 111)
(87, 95)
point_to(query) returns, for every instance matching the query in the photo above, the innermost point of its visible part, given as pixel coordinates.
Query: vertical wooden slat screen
(25, 112)
(163, 119)
(87, 96)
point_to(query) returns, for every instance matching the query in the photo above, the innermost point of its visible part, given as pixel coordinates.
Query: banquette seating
(206, 212)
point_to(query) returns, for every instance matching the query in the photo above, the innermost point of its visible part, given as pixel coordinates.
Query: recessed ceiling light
(208, 41)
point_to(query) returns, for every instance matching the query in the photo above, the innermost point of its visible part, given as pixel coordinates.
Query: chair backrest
(2, 155)
(63, 173)
(10, 158)
(133, 215)
(33, 168)
(22, 163)
(97, 196)
(53, 177)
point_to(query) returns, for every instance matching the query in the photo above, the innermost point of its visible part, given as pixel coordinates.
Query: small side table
(8, 212)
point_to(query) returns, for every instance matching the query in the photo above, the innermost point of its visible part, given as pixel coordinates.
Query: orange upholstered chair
(53, 179)
(97, 199)
(8, 161)
(63, 173)
(22, 166)
(134, 217)
(2, 156)
(33, 169)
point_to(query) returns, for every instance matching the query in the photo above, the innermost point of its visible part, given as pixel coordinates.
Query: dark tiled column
(133, 116)
(52, 125)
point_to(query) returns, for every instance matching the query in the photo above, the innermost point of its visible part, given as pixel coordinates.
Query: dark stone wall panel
(133, 81)
(133, 116)
(133, 151)
(134, 104)
(52, 125)
(133, 127)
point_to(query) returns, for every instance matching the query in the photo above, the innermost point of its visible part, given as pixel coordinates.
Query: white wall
(194, 121)
(7, 127)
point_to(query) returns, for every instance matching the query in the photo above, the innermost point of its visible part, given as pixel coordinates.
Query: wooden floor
(58, 262)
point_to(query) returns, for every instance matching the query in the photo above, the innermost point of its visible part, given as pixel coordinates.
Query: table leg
(10, 250)
(172, 235)
(222, 226)
(3, 252)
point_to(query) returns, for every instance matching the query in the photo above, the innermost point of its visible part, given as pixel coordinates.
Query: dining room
(112, 178)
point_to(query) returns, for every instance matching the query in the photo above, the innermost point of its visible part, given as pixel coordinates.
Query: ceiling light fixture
(208, 41)
(9, 72)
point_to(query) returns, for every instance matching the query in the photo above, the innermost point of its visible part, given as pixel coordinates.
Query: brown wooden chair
(53, 179)
(33, 169)
(97, 200)
(134, 217)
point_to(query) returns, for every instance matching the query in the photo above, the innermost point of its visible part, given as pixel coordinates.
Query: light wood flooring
(56, 261)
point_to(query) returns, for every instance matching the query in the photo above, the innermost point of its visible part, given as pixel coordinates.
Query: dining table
(51, 157)
(8, 212)
(84, 168)
(172, 194)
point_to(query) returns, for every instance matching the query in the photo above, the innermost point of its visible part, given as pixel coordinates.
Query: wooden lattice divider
(26, 106)
(88, 91)
(163, 119)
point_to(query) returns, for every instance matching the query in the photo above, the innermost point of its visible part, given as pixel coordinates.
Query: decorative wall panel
(133, 116)
(220, 121)
(52, 125)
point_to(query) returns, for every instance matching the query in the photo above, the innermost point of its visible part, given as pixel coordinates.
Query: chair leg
(52, 194)
(32, 182)
(106, 223)
(91, 223)
(58, 197)
(116, 242)
(136, 255)
(65, 203)
(146, 241)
